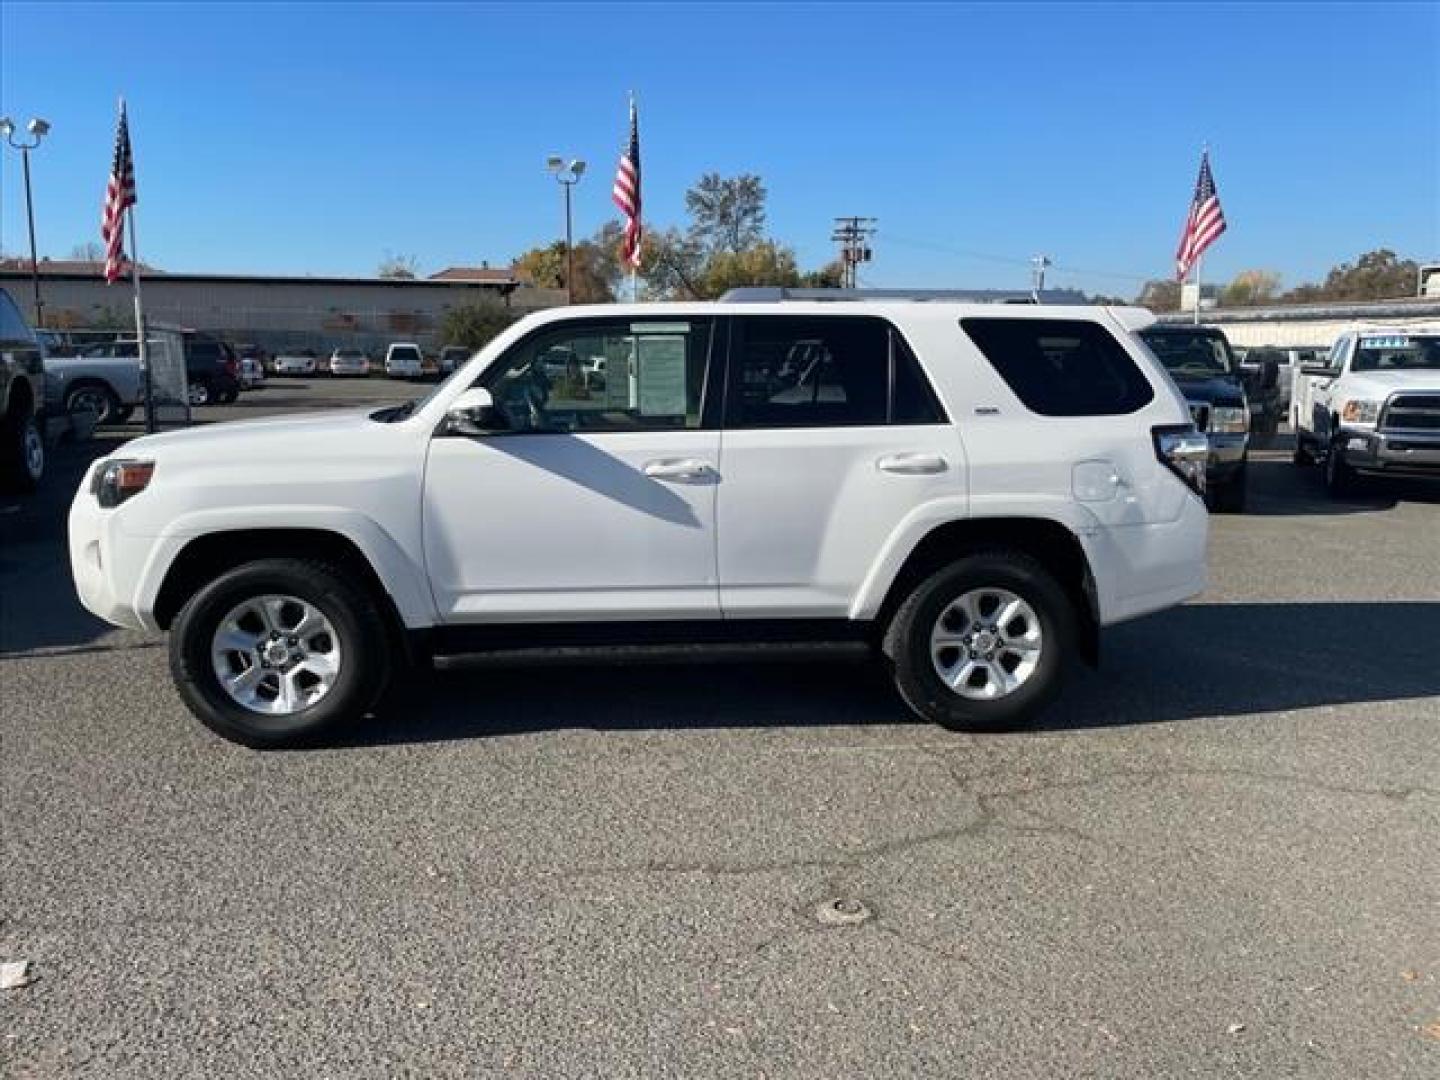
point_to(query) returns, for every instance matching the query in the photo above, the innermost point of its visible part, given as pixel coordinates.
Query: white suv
(974, 489)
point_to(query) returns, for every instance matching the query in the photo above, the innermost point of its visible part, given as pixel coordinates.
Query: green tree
(474, 324)
(596, 268)
(1160, 294)
(1251, 287)
(762, 263)
(1376, 275)
(727, 213)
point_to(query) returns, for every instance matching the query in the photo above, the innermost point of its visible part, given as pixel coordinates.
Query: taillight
(1184, 451)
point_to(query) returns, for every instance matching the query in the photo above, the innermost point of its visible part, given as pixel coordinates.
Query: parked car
(349, 362)
(212, 370)
(252, 373)
(255, 365)
(1198, 358)
(451, 357)
(22, 396)
(1372, 408)
(403, 360)
(104, 379)
(988, 488)
(302, 362)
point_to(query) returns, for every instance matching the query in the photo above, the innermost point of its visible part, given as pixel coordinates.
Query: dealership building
(275, 312)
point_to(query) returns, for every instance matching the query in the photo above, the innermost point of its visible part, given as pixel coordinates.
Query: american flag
(626, 192)
(1204, 224)
(119, 197)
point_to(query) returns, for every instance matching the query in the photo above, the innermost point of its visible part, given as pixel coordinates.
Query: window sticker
(661, 363)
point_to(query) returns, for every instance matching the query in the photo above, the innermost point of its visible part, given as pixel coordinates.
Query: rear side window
(824, 371)
(1062, 367)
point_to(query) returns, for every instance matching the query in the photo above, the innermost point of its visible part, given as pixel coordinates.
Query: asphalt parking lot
(1217, 856)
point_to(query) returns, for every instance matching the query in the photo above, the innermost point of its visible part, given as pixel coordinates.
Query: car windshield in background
(1190, 354)
(407, 353)
(1397, 353)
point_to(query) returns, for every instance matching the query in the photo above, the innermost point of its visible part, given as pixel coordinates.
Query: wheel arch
(1050, 542)
(205, 556)
(20, 401)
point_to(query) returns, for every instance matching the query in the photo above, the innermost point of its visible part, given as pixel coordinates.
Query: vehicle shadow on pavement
(1195, 662)
(1280, 488)
(38, 606)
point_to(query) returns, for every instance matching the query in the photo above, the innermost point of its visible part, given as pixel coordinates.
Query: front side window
(824, 371)
(1062, 367)
(604, 375)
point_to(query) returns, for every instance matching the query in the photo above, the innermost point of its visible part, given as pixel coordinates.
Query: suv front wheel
(278, 650)
(982, 644)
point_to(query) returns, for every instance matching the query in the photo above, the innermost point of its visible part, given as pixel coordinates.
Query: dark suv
(212, 370)
(1201, 362)
(22, 392)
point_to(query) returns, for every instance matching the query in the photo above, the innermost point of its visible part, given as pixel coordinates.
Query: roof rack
(771, 294)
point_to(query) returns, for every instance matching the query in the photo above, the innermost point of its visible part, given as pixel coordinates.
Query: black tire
(353, 612)
(22, 453)
(1304, 454)
(907, 641)
(1231, 496)
(94, 396)
(1341, 480)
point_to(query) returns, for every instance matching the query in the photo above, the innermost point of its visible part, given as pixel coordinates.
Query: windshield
(1397, 353)
(1191, 354)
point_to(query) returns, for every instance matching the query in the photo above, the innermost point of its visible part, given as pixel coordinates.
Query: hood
(1220, 391)
(245, 437)
(1380, 384)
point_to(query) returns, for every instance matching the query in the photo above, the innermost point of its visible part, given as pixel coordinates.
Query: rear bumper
(1391, 451)
(1145, 568)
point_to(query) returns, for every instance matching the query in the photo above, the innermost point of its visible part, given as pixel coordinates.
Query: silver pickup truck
(104, 379)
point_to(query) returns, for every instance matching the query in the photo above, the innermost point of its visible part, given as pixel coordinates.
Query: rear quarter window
(1062, 367)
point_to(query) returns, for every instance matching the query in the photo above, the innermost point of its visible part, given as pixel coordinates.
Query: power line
(1010, 260)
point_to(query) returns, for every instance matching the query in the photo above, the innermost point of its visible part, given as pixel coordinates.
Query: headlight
(1360, 412)
(116, 481)
(1230, 419)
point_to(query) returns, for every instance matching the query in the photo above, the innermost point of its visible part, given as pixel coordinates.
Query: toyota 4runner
(973, 489)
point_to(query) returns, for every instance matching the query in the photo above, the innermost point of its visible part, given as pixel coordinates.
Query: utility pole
(853, 235)
(1037, 276)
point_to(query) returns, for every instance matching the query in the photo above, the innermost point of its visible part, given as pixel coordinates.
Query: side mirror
(473, 413)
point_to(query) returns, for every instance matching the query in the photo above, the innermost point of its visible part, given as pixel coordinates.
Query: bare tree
(403, 267)
(90, 251)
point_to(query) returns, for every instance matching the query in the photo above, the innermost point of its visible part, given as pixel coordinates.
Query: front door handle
(911, 464)
(678, 469)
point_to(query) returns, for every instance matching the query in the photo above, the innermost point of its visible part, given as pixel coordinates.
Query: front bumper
(1391, 451)
(1227, 456)
(102, 556)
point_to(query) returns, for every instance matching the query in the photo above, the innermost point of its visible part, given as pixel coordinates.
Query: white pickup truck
(1372, 407)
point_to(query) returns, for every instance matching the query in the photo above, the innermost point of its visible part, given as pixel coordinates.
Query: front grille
(1200, 413)
(1412, 412)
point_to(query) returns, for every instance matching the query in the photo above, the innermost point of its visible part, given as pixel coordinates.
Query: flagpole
(140, 336)
(1199, 262)
(640, 238)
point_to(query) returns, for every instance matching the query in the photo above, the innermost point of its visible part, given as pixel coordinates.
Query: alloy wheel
(276, 654)
(986, 644)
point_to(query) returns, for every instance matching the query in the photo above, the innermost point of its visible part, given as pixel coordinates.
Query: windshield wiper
(391, 413)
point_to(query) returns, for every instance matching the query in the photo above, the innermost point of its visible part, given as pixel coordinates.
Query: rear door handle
(911, 464)
(678, 469)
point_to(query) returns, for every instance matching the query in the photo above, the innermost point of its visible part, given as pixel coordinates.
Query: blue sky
(312, 139)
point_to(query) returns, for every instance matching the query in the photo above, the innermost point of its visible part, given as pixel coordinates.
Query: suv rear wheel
(982, 644)
(276, 651)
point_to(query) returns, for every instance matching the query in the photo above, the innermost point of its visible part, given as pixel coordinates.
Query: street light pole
(38, 129)
(567, 175)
